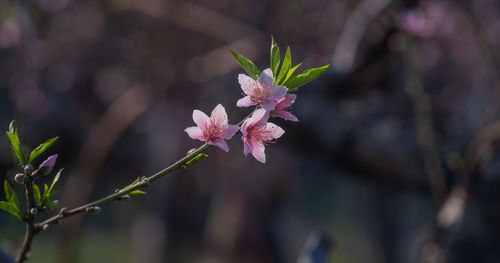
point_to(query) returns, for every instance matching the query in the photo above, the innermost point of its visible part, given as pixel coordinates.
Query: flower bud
(93, 210)
(34, 211)
(48, 165)
(45, 227)
(19, 178)
(28, 169)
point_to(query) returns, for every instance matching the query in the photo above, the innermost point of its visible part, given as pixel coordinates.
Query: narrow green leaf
(290, 72)
(247, 65)
(285, 67)
(41, 148)
(36, 193)
(196, 159)
(10, 208)
(15, 144)
(45, 196)
(137, 192)
(56, 178)
(296, 81)
(10, 195)
(275, 57)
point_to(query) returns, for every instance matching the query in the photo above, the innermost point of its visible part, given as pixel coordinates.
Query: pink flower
(214, 130)
(283, 107)
(257, 132)
(261, 92)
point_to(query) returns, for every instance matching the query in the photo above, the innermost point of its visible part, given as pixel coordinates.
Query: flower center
(260, 93)
(261, 134)
(214, 129)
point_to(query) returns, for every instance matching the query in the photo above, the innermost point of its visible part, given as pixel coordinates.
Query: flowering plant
(269, 91)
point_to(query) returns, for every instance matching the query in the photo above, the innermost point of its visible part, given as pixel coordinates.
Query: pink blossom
(262, 91)
(283, 107)
(257, 132)
(214, 129)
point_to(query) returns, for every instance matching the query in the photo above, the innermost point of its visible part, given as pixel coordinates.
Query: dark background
(394, 157)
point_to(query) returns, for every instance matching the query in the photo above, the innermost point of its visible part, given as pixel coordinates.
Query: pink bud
(48, 165)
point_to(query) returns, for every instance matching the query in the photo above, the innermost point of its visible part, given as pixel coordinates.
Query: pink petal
(275, 130)
(258, 118)
(230, 132)
(289, 99)
(287, 116)
(268, 105)
(266, 78)
(247, 84)
(258, 151)
(247, 146)
(276, 92)
(221, 144)
(245, 102)
(200, 118)
(195, 133)
(219, 115)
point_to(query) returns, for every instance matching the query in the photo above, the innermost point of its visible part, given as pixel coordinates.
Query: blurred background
(394, 158)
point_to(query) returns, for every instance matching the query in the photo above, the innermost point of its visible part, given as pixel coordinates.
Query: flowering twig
(266, 90)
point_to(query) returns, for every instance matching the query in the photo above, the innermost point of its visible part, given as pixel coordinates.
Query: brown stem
(31, 230)
(143, 182)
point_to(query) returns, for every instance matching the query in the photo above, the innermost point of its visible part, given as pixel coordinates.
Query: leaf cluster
(285, 76)
(43, 200)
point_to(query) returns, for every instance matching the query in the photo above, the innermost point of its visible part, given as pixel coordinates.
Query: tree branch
(31, 230)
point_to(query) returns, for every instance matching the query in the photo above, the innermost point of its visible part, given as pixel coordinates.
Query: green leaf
(285, 67)
(41, 148)
(56, 178)
(45, 196)
(275, 57)
(196, 159)
(247, 65)
(290, 72)
(10, 195)
(15, 144)
(36, 193)
(137, 192)
(10, 208)
(296, 81)
(52, 204)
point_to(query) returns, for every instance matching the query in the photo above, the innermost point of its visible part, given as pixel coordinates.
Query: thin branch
(30, 226)
(142, 183)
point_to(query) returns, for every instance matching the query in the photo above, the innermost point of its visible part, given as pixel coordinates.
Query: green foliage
(290, 72)
(37, 194)
(12, 204)
(196, 159)
(247, 65)
(41, 148)
(137, 192)
(296, 81)
(49, 193)
(285, 67)
(275, 57)
(15, 144)
(286, 75)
